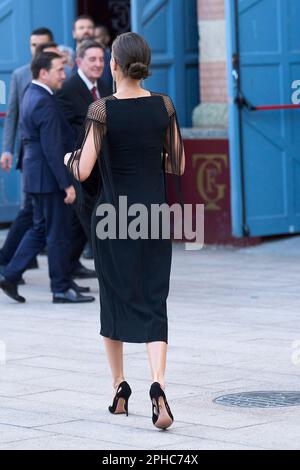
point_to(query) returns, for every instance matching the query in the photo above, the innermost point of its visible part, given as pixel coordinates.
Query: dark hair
(83, 17)
(41, 47)
(42, 61)
(132, 53)
(85, 45)
(43, 32)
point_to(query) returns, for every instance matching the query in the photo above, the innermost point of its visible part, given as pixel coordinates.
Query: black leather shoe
(79, 289)
(71, 297)
(21, 281)
(11, 290)
(83, 273)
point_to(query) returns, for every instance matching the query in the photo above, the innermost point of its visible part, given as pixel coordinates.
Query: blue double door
(264, 69)
(17, 19)
(170, 27)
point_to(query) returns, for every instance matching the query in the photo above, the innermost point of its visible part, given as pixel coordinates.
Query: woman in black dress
(135, 137)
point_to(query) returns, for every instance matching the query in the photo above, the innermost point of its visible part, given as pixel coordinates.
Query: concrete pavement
(233, 327)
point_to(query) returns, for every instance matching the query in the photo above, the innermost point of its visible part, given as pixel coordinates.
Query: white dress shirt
(88, 82)
(36, 82)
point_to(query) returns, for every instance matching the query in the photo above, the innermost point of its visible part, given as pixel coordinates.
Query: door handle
(242, 102)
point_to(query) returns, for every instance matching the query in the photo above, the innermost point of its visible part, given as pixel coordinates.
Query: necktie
(94, 93)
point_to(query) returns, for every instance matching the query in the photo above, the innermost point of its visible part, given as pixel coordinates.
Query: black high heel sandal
(162, 417)
(120, 403)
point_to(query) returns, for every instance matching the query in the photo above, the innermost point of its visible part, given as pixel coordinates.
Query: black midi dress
(137, 141)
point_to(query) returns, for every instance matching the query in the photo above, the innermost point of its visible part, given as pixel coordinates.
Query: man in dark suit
(20, 80)
(46, 136)
(39, 42)
(83, 29)
(85, 86)
(75, 96)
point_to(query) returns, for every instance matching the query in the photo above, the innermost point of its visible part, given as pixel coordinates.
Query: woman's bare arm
(87, 158)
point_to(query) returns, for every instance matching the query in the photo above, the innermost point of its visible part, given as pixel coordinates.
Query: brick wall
(213, 82)
(211, 9)
(213, 72)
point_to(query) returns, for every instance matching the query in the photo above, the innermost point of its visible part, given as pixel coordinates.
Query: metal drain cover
(259, 399)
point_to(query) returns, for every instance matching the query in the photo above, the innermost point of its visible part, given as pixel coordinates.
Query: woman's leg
(114, 351)
(157, 354)
(157, 351)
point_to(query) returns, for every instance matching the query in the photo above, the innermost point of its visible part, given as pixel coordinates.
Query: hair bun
(138, 70)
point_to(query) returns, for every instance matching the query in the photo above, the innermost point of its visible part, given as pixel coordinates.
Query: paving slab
(233, 327)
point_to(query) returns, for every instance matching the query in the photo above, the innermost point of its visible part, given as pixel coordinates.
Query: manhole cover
(260, 399)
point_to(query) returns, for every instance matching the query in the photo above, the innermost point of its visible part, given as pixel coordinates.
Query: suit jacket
(20, 80)
(106, 76)
(46, 137)
(74, 99)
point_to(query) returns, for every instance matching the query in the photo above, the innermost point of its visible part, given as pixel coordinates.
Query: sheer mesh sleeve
(95, 126)
(93, 131)
(173, 145)
(173, 161)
